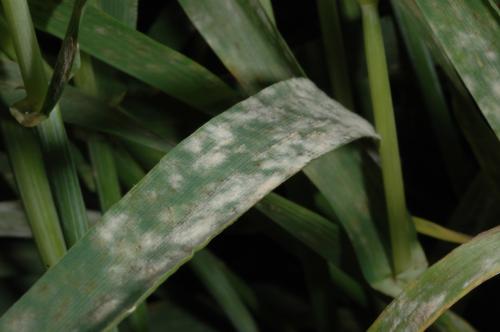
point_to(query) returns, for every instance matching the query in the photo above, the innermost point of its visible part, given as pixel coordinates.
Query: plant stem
(401, 229)
(54, 141)
(26, 160)
(29, 58)
(108, 187)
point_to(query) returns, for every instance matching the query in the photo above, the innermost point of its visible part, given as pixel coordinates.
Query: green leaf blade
(443, 284)
(188, 198)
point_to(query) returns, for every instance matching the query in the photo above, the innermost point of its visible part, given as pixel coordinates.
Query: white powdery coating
(210, 160)
(175, 180)
(487, 266)
(194, 144)
(106, 308)
(110, 226)
(491, 55)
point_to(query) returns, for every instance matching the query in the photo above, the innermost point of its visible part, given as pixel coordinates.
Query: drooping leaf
(136, 54)
(443, 284)
(470, 25)
(187, 199)
(65, 59)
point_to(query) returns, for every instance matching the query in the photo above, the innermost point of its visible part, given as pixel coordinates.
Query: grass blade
(106, 177)
(202, 180)
(128, 50)
(26, 160)
(333, 43)
(29, 57)
(209, 270)
(313, 230)
(402, 232)
(439, 232)
(443, 284)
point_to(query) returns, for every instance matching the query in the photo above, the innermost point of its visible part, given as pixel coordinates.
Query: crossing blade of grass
(333, 42)
(350, 206)
(195, 192)
(26, 159)
(14, 223)
(13, 220)
(86, 111)
(262, 40)
(137, 55)
(278, 67)
(434, 230)
(313, 230)
(209, 271)
(177, 319)
(451, 322)
(443, 284)
(457, 164)
(470, 25)
(129, 170)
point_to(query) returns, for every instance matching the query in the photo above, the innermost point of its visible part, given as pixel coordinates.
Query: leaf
(313, 230)
(211, 272)
(137, 55)
(458, 25)
(443, 284)
(196, 191)
(65, 59)
(261, 41)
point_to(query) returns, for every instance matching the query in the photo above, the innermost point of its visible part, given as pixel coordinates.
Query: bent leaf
(443, 284)
(192, 195)
(65, 59)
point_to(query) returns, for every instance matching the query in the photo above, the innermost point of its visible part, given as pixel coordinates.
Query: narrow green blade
(135, 54)
(211, 273)
(192, 195)
(443, 284)
(313, 230)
